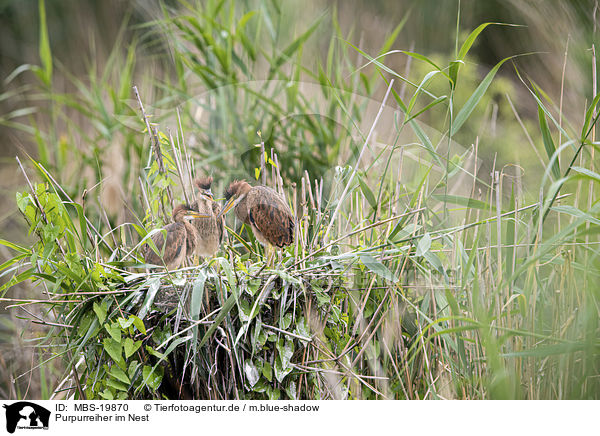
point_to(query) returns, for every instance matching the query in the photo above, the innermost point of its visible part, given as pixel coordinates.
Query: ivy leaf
(286, 350)
(138, 323)
(274, 394)
(130, 347)
(119, 374)
(302, 329)
(113, 348)
(116, 384)
(253, 286)
(107, 394)
(152, 378)
(260, 387)
(282, 362)
(114, 331)
(125, 323)
(251, 372)
(23, 200)
(133, 366)
(100, 312)
(280, 371)
(291, 391)
(244, 312)
(285, 322)
(267, 371)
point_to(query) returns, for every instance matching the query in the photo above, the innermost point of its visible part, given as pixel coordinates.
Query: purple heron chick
(264, 210)
(181, 239)
(210, 227)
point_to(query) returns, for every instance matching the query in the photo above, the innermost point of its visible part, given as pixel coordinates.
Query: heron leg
(269, 255)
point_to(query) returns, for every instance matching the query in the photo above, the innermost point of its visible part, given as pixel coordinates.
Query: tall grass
(420, 269)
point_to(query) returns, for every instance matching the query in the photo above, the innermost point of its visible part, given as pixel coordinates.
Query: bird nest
(218, 331)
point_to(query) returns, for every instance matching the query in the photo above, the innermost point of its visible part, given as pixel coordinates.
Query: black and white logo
(26, 415)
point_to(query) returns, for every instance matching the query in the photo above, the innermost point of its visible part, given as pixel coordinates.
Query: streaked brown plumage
(181, 239)
(263, 209)
(209, 228)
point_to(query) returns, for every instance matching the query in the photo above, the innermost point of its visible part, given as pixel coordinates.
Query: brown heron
(264, 210)
(210, 226)
(181, 239)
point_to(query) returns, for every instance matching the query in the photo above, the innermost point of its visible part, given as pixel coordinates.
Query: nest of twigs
(210, 332)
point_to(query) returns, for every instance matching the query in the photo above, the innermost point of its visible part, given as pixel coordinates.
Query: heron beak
(227, 207)
(192, 215)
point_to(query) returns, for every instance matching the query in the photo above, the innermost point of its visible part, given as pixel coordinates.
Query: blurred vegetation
(457, 259)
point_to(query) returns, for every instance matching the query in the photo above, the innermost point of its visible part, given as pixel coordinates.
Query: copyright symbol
(147, 407)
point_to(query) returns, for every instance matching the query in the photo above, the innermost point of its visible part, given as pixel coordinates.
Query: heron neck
(204, 205)
(191, 236)
(241, 210)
